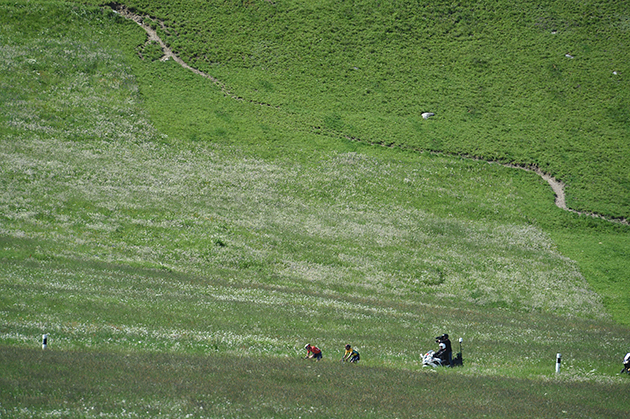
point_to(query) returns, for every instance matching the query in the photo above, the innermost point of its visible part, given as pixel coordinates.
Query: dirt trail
(169, 54)
(556, 186)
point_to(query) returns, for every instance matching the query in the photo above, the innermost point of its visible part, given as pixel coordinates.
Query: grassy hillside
(542, 83)
(180, 247)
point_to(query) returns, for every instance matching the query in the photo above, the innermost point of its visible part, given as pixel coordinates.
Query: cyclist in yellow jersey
(351, 355)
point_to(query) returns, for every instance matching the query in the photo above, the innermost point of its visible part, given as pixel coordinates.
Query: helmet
(348, 346)
(442, 346)
(308, 345)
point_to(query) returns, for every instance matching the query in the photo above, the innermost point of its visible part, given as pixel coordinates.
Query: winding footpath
(169, 54)
(556, 186)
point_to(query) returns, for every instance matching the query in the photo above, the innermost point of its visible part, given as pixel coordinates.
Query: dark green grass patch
(90, 384)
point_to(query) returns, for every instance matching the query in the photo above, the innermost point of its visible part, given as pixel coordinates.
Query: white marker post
(558, 360)
(44, 341)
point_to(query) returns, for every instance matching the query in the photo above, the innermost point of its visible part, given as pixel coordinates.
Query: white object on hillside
(568, 55)
(427, 115)
(429, 361)
(558, 361)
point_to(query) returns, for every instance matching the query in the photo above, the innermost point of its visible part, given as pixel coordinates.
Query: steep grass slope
(542, 83)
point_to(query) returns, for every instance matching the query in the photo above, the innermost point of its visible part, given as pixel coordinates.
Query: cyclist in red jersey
(312, 352)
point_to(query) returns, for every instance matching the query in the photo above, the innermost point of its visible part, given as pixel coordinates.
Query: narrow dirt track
(168, 52)
(556, 186)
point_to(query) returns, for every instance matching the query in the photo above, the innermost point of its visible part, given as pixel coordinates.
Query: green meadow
(181, 240)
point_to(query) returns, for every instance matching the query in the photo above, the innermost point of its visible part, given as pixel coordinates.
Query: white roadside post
(558, 360)
(44, 341)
